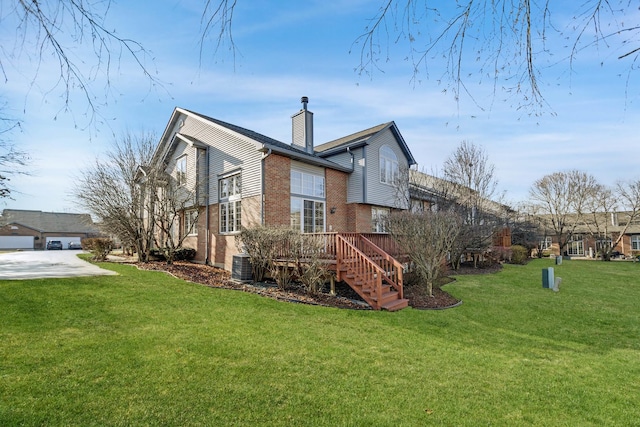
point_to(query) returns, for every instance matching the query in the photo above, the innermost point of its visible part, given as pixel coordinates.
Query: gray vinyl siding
(228, 153)
(355, 184)
(378, 193)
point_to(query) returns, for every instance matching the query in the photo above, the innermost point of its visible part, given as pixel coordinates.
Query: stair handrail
(365, 268)
(397, 269)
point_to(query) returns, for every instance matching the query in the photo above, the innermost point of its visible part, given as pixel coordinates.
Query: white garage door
(16, 242)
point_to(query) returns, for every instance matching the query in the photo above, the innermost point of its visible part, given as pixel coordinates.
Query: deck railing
(378, 247)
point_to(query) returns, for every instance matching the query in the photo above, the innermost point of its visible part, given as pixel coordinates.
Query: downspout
(264, 156)
(364, 175)
(353, 164)
(207, 240)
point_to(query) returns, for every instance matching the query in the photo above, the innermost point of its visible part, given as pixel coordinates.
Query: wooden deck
(365, 261)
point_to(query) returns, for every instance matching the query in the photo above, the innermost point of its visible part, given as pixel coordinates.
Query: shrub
(501, 253)
(286, 254)
(519, 254)
(98, 246)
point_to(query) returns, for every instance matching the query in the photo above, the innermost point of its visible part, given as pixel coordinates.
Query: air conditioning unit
(241, 268)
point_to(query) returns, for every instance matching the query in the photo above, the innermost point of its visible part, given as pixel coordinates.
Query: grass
(145, 349)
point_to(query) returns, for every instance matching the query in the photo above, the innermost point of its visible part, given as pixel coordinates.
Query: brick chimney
(302, 128)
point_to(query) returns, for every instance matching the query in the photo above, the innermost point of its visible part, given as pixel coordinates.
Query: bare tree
(529, 229)
(609, 213)
(509, 43)
(54, 29)
(427, 237)
(174, 209)
(561, 198)
(12, 162)
(472, 185)
(115, 193)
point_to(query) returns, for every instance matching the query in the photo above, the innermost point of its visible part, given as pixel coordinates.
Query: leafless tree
(610, 212)
(46, 29)
(169, 207)
(561, 199)
(427, 237)
(115, 193)
(471, 182)
(12, 162)
(529, 229)
(509, 43)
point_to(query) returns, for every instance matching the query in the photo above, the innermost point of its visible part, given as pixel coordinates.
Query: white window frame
(378, 216)
(190, 222)
(635, 242)
(181, 170)
(389, 169)
(230, 207)
(308, 215)
(575, 247)
(308, 204)
(546, 243)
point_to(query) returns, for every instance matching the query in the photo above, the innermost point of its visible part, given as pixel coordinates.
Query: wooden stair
(378, 282)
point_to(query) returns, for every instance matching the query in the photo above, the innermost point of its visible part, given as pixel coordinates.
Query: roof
(361, 138)
(263, 142)
(353, 139)
(50, 222)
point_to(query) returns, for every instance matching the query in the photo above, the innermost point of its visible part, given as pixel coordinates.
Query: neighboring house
(593, 232)
(26, 229)
(248, 179)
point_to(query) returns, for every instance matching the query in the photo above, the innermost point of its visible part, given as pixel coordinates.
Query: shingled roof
(49, 222)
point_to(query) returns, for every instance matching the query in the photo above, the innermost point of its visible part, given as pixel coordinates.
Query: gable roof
(50, 222)
(361, 138)
(262, 142)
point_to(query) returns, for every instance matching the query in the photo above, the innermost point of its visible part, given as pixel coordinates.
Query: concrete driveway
(46, 264)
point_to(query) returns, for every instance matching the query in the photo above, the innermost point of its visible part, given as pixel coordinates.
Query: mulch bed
(345, 296)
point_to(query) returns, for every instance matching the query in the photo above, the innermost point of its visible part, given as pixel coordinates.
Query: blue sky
(303, 49)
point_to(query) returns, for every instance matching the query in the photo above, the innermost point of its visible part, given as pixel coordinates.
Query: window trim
(301, 214)
(389, 167)
(377, 218)
(230, 202)
(318, 182)
(576, 242)
(181, 170)
(187, 229)
(546, 243)
(635, 238)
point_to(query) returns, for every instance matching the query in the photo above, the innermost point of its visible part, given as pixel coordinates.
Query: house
(242, 179)
(28, 229)
(249, 179)
(591, 233)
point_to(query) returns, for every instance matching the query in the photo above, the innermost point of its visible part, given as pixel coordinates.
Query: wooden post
(332, 282)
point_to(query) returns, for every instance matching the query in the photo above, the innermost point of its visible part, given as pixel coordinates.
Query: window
(230, 190)
(389, 171)
(575, 246)
(635, 242)
(378, 217)
(190, 222)
(307, 202)
(181, 170)
(307, 184)
(307, 215)
(545, 243)
(603, 244)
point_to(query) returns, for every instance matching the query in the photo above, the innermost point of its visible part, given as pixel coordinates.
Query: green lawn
(144, 349)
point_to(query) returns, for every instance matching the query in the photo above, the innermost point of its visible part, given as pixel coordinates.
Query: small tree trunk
(430, 288)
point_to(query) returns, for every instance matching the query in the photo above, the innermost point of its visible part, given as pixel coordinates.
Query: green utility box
(548, 281)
